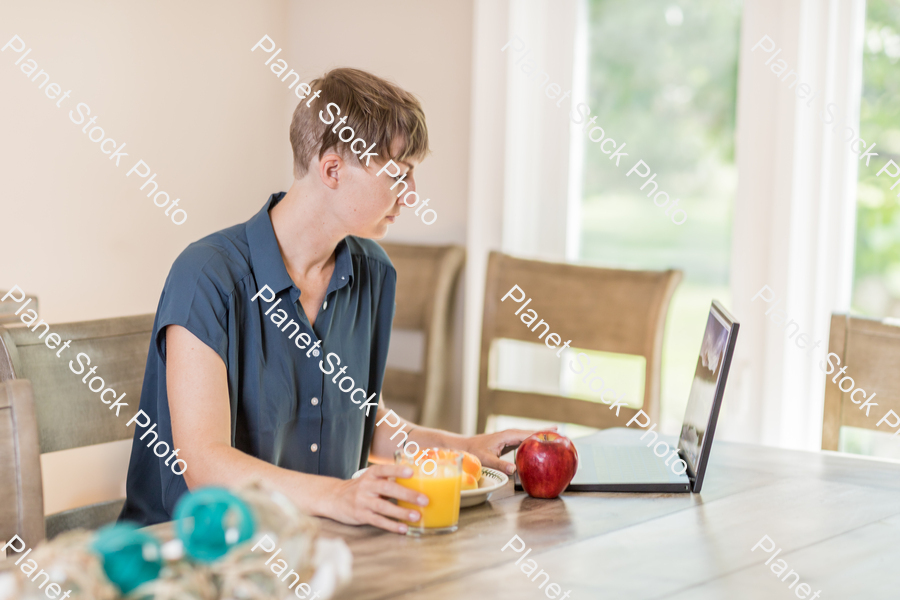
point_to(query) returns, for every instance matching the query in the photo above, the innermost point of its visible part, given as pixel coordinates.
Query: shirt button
(315, 401)
(314, 447)
(325, 306)
(316, 352)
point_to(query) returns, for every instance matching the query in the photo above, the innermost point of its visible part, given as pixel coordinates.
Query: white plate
(491, 481)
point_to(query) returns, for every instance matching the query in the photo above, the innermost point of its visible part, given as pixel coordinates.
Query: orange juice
(443, 500)
(439, 479)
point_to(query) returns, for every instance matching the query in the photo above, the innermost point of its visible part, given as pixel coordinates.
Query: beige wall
(178, 84)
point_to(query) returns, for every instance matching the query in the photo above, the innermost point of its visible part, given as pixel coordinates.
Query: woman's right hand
(364, 500)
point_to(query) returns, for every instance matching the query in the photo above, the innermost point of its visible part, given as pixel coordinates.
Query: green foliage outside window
(662, 78)
(876, 278)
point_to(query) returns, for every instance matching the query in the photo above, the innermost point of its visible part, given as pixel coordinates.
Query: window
(876, 276)
(661, 77)
(876, 273)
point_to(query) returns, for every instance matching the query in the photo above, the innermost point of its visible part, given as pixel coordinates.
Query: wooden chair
(69, 414)
(21, 498)
(426, 279)
(609, 310)
(871, 350)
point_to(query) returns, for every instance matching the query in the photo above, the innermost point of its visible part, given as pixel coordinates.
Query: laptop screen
(707, 388)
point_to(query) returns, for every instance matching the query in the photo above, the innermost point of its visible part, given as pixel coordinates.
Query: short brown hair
(377, 110)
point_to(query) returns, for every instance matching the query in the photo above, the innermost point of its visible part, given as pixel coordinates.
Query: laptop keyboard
(623, 464)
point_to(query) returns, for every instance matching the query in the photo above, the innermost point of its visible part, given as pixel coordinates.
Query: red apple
(546, 462)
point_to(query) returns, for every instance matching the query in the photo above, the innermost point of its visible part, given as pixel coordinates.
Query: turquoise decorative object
(130, 557)
(211, 521)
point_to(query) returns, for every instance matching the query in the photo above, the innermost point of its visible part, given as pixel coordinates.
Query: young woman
(252, 318)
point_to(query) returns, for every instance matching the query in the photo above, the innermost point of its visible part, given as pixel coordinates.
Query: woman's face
(366, 204)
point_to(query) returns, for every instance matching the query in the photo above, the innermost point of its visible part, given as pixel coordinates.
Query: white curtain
(794, 214)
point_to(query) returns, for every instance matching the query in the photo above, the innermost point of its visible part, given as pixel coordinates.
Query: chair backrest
(610, 310)
(21, 496)
(426, 278)
(870, 350)
(69, 414)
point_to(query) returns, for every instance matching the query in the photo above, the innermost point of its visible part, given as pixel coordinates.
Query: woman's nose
(409, 196)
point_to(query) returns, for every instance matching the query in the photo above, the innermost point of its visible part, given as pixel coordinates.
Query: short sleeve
(197, 296)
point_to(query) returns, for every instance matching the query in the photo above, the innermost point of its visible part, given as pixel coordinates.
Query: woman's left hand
(488, 447)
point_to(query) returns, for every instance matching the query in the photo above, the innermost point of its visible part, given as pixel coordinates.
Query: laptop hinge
(692, 476)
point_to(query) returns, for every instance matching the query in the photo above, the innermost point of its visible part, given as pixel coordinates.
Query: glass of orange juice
(438, 478)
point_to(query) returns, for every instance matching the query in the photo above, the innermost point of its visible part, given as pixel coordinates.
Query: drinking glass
(439, 478)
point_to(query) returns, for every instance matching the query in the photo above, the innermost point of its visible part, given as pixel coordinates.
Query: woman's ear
(331, 168)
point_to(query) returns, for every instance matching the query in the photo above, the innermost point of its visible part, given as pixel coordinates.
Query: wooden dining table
(835, 517)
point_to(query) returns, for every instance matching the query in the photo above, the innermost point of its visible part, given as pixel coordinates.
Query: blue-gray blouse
(232, 290)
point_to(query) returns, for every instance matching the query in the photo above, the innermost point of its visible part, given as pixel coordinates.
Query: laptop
(634, 459)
